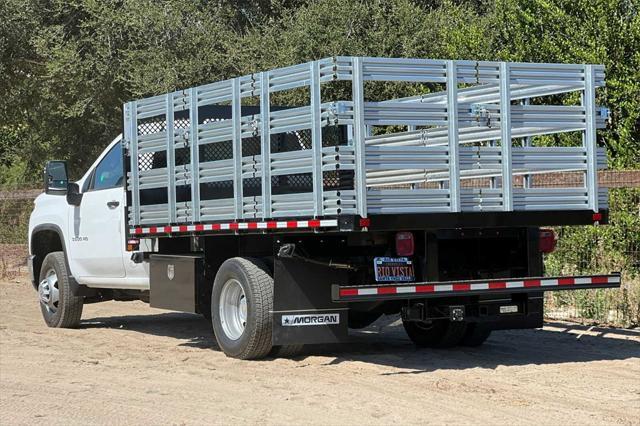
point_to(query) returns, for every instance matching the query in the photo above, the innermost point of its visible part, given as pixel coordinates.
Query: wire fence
(580, 249)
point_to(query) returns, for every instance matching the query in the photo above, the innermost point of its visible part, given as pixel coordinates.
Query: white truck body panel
(96, 235)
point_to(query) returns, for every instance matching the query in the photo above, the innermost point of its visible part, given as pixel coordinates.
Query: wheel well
(44, 242)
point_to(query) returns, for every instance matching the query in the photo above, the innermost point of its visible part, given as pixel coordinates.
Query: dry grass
(613, 307)
(13, 260)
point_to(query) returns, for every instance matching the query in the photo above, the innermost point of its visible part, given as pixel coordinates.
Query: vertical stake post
(526, 179)
(131, 114)
(236, 115)
(316, 139)
(589, 103)
(359, 134)
(453, 136)
(505, 136)
(195, 154)
(265, 139)
(171, 159)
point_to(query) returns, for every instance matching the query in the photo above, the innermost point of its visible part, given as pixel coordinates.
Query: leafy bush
(602, 249)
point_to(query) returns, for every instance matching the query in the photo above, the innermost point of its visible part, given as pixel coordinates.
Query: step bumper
(424, 290)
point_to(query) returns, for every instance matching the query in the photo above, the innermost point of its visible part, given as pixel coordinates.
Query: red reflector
(547, 241)
(365, 222)
(461, 287)
(597, 217)
(497, 285)
(404, 244)
(566, 281)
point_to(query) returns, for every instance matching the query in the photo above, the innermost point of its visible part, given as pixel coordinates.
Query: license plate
(393, 269)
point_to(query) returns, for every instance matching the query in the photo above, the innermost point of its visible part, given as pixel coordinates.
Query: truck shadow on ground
(385, 343)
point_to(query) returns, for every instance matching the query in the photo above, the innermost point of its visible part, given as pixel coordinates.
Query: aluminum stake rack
(204, 160)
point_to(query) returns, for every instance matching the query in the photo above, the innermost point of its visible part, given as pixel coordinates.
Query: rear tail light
(133, 244)
(404, 244)
(547, 241)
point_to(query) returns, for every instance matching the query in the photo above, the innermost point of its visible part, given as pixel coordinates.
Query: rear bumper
(425, 290)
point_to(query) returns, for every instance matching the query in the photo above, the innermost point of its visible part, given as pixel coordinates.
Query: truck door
(96, 225)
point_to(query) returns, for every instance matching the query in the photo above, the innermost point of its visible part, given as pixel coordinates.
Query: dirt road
(129, 364)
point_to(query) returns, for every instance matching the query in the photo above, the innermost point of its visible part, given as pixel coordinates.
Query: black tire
(475, 335)
(257, 285)
(358, 319)
(438, 334)
(286, 351)
(67, 311)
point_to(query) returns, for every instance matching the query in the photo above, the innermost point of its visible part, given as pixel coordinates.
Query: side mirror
(55, 177)
(74, 197)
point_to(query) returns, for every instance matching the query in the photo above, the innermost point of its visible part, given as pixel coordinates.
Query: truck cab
(86, 221)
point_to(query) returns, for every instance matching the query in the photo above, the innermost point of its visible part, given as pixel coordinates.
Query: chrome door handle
(113, 204)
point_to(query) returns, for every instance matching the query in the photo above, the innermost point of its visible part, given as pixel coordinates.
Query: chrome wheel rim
(49, 291)
(233, 309)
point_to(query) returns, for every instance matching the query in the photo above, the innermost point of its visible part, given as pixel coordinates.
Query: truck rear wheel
(437, 334)
(60, 308)
(241, 301)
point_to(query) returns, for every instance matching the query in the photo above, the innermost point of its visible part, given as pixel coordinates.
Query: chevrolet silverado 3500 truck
(288, 225)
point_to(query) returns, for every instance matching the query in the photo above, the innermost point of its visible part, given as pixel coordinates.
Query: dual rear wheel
(241, 305)
(446, 334)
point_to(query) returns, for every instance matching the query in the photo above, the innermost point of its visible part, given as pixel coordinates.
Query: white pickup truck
(82, 244)
(288, 225)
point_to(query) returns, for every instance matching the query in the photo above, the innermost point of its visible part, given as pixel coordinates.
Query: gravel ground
(130, 364)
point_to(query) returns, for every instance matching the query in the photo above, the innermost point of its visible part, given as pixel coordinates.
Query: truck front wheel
(241, 300)
(60, 308)
(436, 334)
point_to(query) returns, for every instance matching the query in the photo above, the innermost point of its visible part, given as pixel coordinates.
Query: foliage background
(67, 67)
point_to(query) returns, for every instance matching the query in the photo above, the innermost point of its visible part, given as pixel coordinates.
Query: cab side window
(108, 173)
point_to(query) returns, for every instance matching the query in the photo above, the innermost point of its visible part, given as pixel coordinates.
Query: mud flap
(303, 310)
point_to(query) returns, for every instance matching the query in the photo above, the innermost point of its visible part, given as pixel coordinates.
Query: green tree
(69, 65)
(583, 31)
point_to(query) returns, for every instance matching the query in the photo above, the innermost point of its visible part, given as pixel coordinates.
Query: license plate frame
(393, 269)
